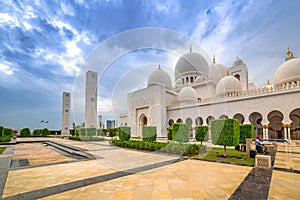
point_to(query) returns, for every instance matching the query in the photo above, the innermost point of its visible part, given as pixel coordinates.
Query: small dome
(287, 72)
(191, 62)
(251, 85)
(187, 94)
(217, 71)
(160, 77)
(228, 84)
(238, 62)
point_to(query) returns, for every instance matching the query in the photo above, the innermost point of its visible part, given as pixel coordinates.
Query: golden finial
(288, 52)
(268, 82)
(158, 66)
(214, 59)
(290, 55)
(227, 73)
(190, 48)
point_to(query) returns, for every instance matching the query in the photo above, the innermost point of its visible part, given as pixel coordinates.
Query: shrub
(246, 131)
(72, 132)
(1, 130)
(100, 132)
(201, 133)
(8, 132)
(25, 132)
(86, 138)
(170, 134)
(44, 132)
(112, 132)
(149, 133)
(80, 132)
(57, 132)
(36, 132)
(89, 132)
(180, 132)
(5, 138)
(124, 133)
(225, 132)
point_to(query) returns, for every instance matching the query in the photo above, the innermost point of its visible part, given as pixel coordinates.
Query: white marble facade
(203, 92)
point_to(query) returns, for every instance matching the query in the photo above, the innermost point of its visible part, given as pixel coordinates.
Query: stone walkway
(117, 173)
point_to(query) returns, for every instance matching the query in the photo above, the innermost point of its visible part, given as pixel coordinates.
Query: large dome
(191, 62)
(187, 94)
(287, 72)
(217, 71)
(228, 84)
(160, 77)
(238, 62)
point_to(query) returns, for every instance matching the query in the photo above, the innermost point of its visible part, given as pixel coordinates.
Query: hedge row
(88, 138)
(171, 148)
(201, 133)
(246, 131)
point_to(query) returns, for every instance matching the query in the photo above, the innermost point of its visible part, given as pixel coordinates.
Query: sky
(47, 46)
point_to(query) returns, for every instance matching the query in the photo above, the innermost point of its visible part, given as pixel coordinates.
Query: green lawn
(232, 156)
(2, 149)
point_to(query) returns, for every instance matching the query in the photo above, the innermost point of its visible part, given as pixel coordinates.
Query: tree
(201, 133)
(180, 132)
(149, 133)
(44, 132)
(124, 133)
(246, 131)
(170, 134)
(1, 130)
(225, 132)
(25, 132)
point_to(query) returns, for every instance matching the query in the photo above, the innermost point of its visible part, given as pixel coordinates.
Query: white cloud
(67, 9)
(6, 69)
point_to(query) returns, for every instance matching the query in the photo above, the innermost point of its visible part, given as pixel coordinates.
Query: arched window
(192, 79)
(237, 76)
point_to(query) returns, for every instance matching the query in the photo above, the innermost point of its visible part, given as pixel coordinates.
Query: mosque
(204, 92)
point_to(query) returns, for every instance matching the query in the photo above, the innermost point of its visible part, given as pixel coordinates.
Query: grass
(233, 156)
(2, 149)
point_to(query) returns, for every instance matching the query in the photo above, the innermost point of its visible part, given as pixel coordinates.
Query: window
(192, 79)
(66, 110)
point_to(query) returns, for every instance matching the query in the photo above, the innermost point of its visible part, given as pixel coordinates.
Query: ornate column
(264, 131)
(285, 132)
(288, 126)
(267, 132)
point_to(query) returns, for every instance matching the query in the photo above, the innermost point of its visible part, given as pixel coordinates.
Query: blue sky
(44, 44)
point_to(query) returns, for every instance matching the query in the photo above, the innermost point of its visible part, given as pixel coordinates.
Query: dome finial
(158, 66)
(268, 82)
(190, 48)
(214, 59)
(227, 72)
(237, 58)
(290, 55)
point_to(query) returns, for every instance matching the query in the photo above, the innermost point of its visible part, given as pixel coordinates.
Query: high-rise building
(66, 114)
(91, 87)
(110, 124)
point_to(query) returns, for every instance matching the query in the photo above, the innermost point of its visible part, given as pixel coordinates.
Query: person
(259, 147)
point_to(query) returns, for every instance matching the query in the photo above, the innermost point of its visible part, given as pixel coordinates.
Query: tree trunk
(225, 155)
(201, 143)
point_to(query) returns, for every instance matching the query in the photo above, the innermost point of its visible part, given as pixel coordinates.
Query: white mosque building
(204, 92)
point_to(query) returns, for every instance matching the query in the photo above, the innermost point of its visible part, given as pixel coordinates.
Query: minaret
(65, 130)
(91, 87)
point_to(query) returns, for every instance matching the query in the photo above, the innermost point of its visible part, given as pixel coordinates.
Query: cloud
(6, 69)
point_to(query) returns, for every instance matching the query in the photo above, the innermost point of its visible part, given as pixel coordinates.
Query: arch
(192, 79)
(179, 120)
(189, 121)
(187, 80)
(171, 122)
(208, 119)
(295, 128)
(143, 121)
(199, 121)
(255, 118)
(223, 117)
(276, 130)
(240, 117)
(237, 76)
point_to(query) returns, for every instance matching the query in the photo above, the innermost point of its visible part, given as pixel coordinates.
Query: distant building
(110, 124)
(91, 99)
(66, 114)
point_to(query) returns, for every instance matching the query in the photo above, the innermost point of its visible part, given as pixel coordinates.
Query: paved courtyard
(39, 171)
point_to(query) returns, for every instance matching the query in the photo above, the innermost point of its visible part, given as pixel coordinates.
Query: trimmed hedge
(201, 133)
(124, 133)
(170, 134)
(180, 132)
(171, 148)
(8, 132)
(1, 130)
(25, 132)
(225, 132)
(246, 131)
(89, 138)
(89, 132)
(112, 132)
(45, 132)
(149, 133)
(101, 132)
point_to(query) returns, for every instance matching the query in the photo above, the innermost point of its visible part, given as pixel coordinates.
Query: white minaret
(66, 114)
(91, 87)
